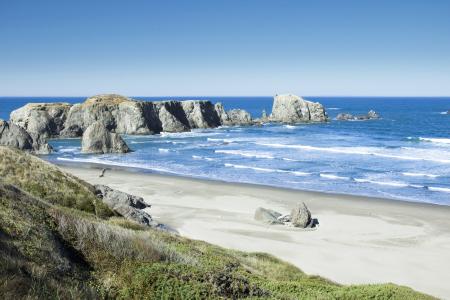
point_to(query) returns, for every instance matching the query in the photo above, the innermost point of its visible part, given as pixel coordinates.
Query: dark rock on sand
(97, 139)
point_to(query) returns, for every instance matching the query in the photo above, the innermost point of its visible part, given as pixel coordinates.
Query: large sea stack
(294, 109)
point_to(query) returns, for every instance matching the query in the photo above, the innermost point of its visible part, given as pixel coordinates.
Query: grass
(45, 181)
(52, 250)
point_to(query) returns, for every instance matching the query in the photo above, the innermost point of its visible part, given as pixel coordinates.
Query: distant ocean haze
(404, 155)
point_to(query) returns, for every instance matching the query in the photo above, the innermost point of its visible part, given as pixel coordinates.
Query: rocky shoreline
(122, 115)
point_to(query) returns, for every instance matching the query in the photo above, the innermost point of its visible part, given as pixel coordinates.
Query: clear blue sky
(159, 48)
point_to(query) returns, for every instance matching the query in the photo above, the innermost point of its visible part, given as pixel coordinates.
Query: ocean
(405, 155)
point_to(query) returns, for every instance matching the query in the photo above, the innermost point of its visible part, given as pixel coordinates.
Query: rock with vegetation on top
(300, 216)
(41, 120)
(15, 136)
(98, 139)
(267, 216)
(117, 113)
(294, 109)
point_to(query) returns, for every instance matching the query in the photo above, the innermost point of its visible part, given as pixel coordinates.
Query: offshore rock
(294, 109)
(41, 120)
(239, 117)
(98, 139)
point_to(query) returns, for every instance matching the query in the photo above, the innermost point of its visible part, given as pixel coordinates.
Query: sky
(225, 48)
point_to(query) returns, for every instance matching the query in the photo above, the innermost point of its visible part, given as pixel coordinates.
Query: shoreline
(360, 240)
(137, 170)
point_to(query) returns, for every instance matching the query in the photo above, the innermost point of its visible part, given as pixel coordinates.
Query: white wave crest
(162, 150)
(387, 183)
(363, 151)
(439, 189)
(246, 153)
(202, 157)
(419, 175)
(118, 164)
(296, 173)
(435, 140)
(333, 108)
(331, 176)
(289, 126)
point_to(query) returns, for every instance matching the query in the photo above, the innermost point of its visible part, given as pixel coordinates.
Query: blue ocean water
(404, 155)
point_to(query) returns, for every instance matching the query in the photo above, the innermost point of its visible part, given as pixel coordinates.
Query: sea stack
(294, 109)
(97, 139)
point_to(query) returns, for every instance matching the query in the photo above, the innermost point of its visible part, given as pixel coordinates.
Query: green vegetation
(48, 250)
(47, 182)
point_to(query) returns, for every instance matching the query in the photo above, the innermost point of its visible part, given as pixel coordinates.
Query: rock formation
(239, 117)
(294, 109)
(98, 139)
(300, 216)
(41, 120)
(12, 135)
(123, 115)
(267, 216)
(128, 206)
(371, 115)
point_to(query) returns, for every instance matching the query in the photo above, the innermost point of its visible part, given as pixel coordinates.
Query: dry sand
(359, 239)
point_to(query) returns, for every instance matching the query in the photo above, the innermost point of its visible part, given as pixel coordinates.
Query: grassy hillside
(52, 250)
(47, 182)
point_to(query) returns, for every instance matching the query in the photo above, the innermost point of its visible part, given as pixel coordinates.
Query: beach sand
(359, 239)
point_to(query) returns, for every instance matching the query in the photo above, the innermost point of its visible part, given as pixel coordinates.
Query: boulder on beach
(98, 139)
(15, 136)
(267, 216)
(294, 109)
(300, 216)
(43, 120)
(129, 206)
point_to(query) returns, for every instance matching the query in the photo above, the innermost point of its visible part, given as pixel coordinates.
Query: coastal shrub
(45, 181)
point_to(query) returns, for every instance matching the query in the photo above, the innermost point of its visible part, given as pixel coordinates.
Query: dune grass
(51, 250)
(45, 181)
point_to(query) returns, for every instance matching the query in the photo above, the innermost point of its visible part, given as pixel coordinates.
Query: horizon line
(234, 96)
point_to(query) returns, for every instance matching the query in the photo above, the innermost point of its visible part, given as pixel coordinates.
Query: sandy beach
(359, 240)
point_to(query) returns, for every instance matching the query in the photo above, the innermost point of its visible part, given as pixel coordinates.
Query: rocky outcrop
(128, 206)
(222, 114)
(300, 216)
(371, 115)
(239, 117)
(15, 136)
(294, 109)
(124, 115)
(98, 139)
(117, 113)
(41, 120)
(267, 216)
